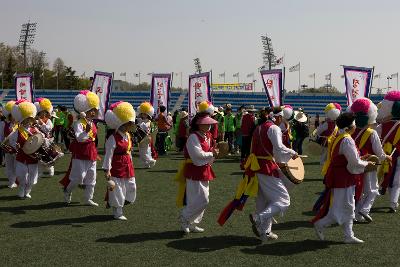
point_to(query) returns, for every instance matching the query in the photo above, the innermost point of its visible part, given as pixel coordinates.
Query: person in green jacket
(221, 126)
(59, 124)
(229, 122)
(238, 130)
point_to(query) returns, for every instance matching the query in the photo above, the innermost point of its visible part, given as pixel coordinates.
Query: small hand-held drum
(223, 148)
(7, 148)
(141, 136)
(294, 170)
(45, 152)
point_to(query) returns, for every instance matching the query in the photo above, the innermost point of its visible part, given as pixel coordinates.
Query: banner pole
(299, 77)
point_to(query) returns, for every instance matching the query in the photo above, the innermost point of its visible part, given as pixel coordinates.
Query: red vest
(247, 124)
(21, 156)
(337, 175)
(182, 128)
(121, 164)
(327, 133)
(200, 173)
(214, 131)
(386, 126)
(85, 150)
(367, 148)
(262, 147)
(7, 128)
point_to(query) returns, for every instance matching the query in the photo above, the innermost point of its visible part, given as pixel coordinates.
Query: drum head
(295, 168)
(223, 149)
(313, 148)
(33, 144)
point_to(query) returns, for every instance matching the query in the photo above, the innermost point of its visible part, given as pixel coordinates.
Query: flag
(311, 75)
(279, 61)
(222, 75)
(150, 73)
(377, 76)
(358, 82)
(250, 75)
(236, 74)
(136, 74)
(394, 75)
(273, 85)
(328, 76)
(295, 68)
(123, 74)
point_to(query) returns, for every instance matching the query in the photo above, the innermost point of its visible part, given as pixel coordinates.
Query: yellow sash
(181, 179)
(331, 148)
(388, 149)
(129, 143)
(25, 134)
(90, 133)
(364, 138)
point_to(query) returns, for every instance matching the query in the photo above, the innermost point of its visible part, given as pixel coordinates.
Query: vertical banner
(24, 87)
(358, 82)
(273, 81)
(160, 90)
(199, 90)
(102, 85)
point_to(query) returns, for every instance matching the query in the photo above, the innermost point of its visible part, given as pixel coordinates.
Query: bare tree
(268, 54)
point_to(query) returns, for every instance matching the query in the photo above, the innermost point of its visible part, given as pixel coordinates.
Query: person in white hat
(344, 169)
(195, 173)
(269, 152)
(8, 127)
(146, 112)
(287, 116)
(83, 148)
(368, 143)
(26, 167)
(117, 164)
(44, 109)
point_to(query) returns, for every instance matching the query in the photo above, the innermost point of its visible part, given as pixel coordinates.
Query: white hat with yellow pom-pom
(23, 109)
(8, 108)
(206, 106)
(146, 108)
(119, 114)
(86, 101)
(43, 104)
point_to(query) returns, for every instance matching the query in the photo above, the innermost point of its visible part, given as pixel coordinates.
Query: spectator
(221, 128)
(247, 127)
(229, 123)
(59, 124)
(316, 121)
(238, 129)
(300, 127)
(163, 127)
(183, 130)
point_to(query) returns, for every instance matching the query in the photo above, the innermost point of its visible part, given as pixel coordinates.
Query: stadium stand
(311, 103)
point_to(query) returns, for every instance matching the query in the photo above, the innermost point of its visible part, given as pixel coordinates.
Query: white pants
(10, 167)
(125, 190)
(46, 168)
(197, 193)
(272, 199)
(27, 175)
(145, 154)
(394, 191)
(370, 192)
(341, 211)
(83, 172)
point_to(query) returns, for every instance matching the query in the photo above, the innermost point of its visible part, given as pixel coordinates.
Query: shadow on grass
(309, 213)
(9, 198)
(165, 171)
(292, 225)
(289, 248)
(22, 209)
(67, 221)
(312, 180)
(228, 160)
(213, 243)
(136, 238)
(3, 186)
(311, 163)
(380, 210)
(237, 173)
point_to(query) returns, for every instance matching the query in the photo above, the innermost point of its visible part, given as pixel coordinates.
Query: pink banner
(199, 90)
(160, 90)
(102, 86)
(24, 87)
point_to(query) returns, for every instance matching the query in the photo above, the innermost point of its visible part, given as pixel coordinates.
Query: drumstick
(302, 156)
(394, 150)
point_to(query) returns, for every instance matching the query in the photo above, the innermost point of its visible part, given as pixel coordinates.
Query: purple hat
(206, 120)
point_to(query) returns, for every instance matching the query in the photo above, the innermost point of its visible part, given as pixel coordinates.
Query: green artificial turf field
(44, 231)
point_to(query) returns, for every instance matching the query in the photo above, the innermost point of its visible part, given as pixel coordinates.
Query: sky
(165, 36)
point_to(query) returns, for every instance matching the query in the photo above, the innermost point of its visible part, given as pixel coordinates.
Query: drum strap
(390, 132)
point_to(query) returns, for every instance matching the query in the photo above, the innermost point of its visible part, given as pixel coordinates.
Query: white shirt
(322, 128)
(281, 153)
(46, 127)
(348, 148)
(12, 139)
(80, 132)
(111, 144)
(145, 126)
(198, 156)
